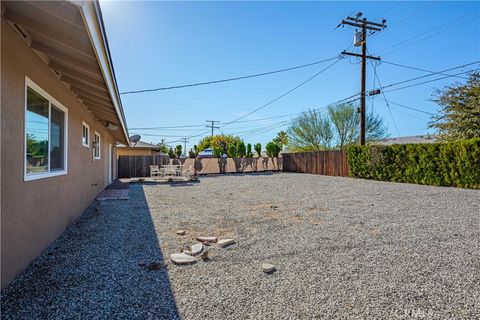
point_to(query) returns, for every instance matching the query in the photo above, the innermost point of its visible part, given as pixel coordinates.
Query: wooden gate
(328, 162)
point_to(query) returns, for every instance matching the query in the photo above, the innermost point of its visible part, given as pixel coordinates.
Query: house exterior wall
(35, 213)
(136, 152)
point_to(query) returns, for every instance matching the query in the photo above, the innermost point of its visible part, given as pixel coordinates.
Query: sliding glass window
(45, 134)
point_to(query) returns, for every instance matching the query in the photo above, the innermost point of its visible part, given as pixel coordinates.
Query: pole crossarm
(360, 56)
(360, 25)
(381, 25)
(361, 41)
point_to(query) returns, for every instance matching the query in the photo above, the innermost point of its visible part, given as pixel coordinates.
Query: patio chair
(154, 171)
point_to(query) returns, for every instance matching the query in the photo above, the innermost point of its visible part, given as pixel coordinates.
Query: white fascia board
(90, 14)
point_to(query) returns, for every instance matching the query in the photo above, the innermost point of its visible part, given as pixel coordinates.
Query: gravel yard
(343, 248)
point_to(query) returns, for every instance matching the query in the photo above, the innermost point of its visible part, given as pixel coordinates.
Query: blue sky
(156, 44)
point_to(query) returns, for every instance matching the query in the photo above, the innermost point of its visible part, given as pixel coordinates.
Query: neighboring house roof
(69, 36)
(140, 145)
(429, 138)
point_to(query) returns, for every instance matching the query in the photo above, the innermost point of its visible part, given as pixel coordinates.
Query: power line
(427, 37)
(403, 112)
(229, 79)
(171, 127)
(419, 69)
(386, 101)
(284, 94)
(413, 14)
(424, 82)
(411, 108)
(429, 75)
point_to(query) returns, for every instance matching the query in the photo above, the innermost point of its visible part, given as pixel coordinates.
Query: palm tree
(281, 139)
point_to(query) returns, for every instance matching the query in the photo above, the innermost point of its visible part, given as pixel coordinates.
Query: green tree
(241, 150)
(281, 139)
(221, 141)
(345, 120)
(231, 151)
(310, 132)
(273, 149)
(205, 143)
(171, 153)
(163, 147)
(249, 151)
(258, 149)
(178, 150)
(460, 110)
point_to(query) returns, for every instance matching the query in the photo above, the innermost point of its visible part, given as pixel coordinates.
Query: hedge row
(439, 164)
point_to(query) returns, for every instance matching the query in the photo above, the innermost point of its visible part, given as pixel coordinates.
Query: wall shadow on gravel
(158, 301)
(108, 264)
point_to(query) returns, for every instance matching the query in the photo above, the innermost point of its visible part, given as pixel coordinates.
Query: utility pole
(185, 140)
(212, 125)
(360, 39)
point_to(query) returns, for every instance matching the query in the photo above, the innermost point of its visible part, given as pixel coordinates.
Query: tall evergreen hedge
(439, 164)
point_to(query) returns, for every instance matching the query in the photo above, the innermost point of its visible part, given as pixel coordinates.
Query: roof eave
(92, 17)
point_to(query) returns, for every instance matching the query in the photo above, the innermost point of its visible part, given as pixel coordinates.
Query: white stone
(207, 239)
(267, 267)
(226, 242)
(181, 232)
(197, 248)
(182, 258)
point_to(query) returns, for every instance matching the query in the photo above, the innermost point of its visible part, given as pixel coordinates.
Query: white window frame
(99, 146)
(51, 100)
(87, 145)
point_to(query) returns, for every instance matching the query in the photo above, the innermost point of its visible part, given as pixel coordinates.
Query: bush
(171, 153)
(249, 151)
(241, 150)
(231, 151)
(258, 149)
(439, 164)
(273, 149)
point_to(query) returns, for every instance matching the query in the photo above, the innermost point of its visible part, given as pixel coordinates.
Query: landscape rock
(268, 267)
(182, 258)
(197, 248)
(181, 232)
(207, 239)
(225, 242)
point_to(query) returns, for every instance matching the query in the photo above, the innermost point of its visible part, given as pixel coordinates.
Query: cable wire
(386, 101)
(420, 69)
(284, 94)
(229, 79)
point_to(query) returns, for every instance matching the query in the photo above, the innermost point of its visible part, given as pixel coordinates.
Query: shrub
(249, 151)
(171, 153)
(241, 151)
(273, 149)
(178, 150)
(192, 154)
(217, 152)
(231, 151)
(258, 149)
(439, 164)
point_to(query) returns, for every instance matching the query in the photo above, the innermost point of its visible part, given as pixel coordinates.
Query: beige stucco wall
(233, 165)
(35, 213)
(136, 152)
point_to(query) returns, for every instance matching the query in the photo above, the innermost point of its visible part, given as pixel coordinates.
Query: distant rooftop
(428, 138)
(140, 145)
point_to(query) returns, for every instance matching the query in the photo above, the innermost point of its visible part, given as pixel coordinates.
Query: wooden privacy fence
(328, 162)
(139, 166)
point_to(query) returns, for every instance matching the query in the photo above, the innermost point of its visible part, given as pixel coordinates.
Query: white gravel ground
(344, 248)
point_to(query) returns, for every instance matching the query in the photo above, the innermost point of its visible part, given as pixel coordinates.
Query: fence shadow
(101, 267)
